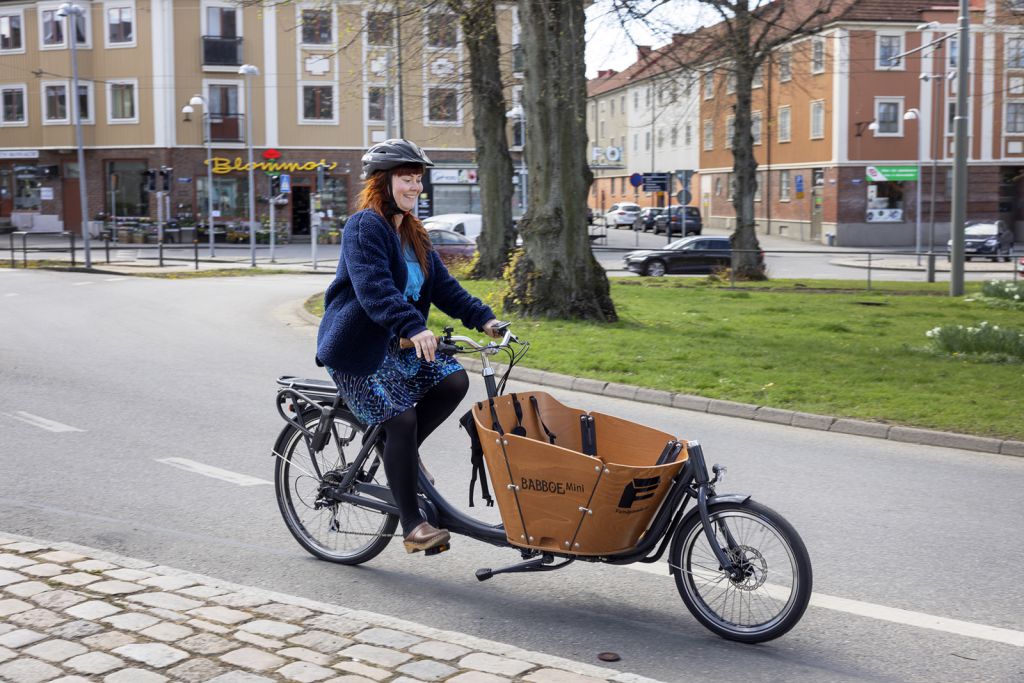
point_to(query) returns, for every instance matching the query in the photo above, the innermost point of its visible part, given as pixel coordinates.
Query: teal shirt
(415, 282)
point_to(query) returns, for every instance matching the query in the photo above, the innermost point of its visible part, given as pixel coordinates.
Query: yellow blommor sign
(224, 165)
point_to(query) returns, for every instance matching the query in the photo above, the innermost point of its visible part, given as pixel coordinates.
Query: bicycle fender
(729, 498)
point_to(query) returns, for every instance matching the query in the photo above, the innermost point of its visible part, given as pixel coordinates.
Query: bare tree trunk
(480, 31)
(556, 275)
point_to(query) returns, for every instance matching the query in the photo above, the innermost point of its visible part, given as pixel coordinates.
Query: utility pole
(959, 214)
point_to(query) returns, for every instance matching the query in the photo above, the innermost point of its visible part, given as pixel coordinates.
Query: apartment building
(332, 79)
(841, 121)
(641, 120)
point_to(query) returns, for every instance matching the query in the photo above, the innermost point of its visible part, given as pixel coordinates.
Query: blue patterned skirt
(397, 385)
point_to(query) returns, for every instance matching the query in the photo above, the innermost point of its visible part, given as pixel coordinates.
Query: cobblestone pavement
(74, 614)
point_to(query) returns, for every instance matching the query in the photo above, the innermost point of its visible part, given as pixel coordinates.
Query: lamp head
(873, 125)
(249, 70)
(196, 101)
(911, 115)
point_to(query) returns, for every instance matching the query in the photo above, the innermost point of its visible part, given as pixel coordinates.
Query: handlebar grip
(404, 343)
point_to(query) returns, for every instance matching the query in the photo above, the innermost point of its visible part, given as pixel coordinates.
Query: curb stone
(878, 430)
(285, 615)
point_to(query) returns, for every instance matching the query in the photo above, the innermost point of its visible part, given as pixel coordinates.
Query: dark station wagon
(694, 254)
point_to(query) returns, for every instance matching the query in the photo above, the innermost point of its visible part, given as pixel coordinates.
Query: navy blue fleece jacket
(365, 307)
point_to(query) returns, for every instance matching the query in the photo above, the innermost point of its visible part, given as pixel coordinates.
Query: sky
(612, 46)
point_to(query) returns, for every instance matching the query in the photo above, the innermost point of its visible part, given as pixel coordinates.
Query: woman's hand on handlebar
(494, 328)
(426, 345)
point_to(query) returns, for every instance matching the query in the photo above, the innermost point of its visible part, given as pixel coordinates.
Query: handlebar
(449, 343)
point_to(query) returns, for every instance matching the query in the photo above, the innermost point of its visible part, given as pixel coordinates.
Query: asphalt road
(153, 369)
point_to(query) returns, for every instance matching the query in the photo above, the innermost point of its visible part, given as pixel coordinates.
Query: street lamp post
(914, 114)
(518, 115)
(249, 70)
(198, 101)
(72, 12)
(959, 212)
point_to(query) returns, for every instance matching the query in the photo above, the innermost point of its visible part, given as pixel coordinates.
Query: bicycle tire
(341, 532)
(751, 610)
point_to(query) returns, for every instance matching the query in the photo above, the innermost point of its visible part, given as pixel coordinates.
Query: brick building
(331, 82)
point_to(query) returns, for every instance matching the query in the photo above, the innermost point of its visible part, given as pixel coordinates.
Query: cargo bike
(570, 486)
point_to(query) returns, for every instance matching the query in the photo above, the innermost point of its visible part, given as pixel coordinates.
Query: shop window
(26, 188)
(13, 97)
(378, 28)
(442, 105)
(128, 180)
(376, 106)
(10, 32)
(230, 196)
(442, 30)
(316, 27)
(318, 102)
(120, 26)
(334, 196)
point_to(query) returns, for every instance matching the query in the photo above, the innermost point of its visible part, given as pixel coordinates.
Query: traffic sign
(636, 180)
(286, 183)
(684, 196)
(656, 182)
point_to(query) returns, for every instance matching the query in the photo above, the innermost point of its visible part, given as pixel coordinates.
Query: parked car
(1020, 267)
(648, 214)
(693, 254)
(990, 238)
(468, 224)
(675, 217)
(451, 246)
(622, 214)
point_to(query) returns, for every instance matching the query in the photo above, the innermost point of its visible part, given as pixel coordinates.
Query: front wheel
(327, 529)
(655, 268)
(771, 595)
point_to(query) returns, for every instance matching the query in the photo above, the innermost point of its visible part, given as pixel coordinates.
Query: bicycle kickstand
(536, 564)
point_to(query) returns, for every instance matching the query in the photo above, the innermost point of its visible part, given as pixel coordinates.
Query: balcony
(226, 127)
(218, 51)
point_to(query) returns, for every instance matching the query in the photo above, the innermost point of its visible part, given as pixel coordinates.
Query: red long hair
(375, 195)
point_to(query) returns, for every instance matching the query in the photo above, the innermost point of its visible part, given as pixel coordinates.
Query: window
(784, 183)
(951, 52)
(817, 119)
(622, 104)
(378, 28)
(230, 195)
(636, 99)
(709, 85)
(10, 32)
(442, 30)
(688, 135)
(602, 128)
(130, 194)
(817, 55)
(755, 127)
(84, 102)
(318, 102)
(730, 131)
(674, 136)
(731, 186)
(316, 27)
(221, 22)
(951, 118)
(758, 184)
(612, 106)
(758, 77)
(1014, 117)
(55, 103)
(13, 112)
(376, 103)
(121, 104)
(730, 82)
(785, 66)
(1015, 53)
(647, 140)
(1015, 85)
(636, 142)
(442, 105)
(785, 124)
(647, 97)
(888, 47)
(52, 27)
(889, 117)
(120, 26)
(709, 135)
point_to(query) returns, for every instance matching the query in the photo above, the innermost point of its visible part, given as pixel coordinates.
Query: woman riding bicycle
(388, 276)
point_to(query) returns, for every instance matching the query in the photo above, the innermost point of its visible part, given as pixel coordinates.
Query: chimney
(642, 51)
(606, 73)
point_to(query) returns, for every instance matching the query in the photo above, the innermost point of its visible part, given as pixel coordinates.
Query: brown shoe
(425, 537)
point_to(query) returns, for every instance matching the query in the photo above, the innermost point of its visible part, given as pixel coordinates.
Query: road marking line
(115, 279)
(79, 284)
(214, 472)
(883, 613)
(11, 294)
(42, 422)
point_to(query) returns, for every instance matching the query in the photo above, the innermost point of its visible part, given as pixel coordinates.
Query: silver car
(622, 214)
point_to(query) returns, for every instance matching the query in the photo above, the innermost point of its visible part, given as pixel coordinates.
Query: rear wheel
(655, 268)
(329, 530)
(771, 595)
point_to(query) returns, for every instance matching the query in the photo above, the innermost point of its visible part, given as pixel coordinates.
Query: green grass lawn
(838, 351)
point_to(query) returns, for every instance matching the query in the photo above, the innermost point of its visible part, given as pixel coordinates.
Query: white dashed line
(11, 294)
(79, 284)
(883, 613)
(214, 472)
(42, 422)
(115, 279)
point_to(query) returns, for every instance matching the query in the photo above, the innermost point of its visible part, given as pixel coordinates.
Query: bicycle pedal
(437, 549)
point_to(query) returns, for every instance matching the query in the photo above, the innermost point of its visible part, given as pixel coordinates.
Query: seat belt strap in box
(519, 429)
(536, 409)
(588, 437)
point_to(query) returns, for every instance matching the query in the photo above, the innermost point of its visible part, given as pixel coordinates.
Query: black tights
(401, 451)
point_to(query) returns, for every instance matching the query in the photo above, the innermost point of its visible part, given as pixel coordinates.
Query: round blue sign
(636, 180)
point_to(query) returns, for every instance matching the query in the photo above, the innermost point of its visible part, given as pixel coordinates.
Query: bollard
(24, 249)
(160, 252)
(931, 267)
(195, 247)
(106, 248)
(14, 262)
(869, 271)
(73, 263)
